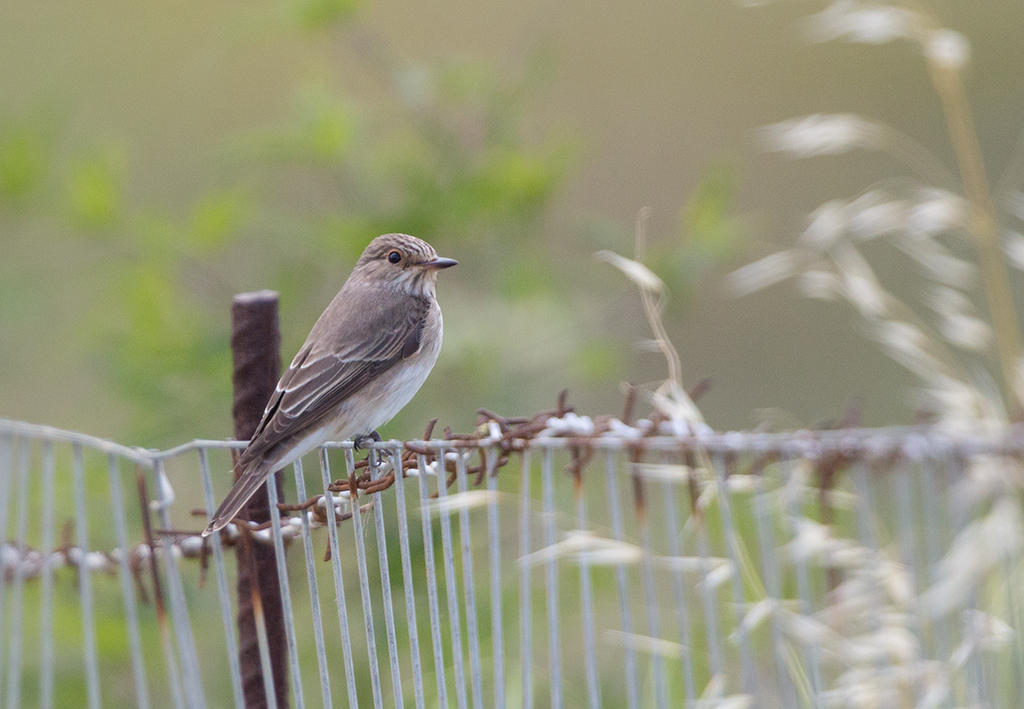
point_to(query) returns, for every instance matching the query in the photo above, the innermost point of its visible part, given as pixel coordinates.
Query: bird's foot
(360, 442)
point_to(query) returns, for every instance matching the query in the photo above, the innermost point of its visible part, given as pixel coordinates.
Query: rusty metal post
(255, 348)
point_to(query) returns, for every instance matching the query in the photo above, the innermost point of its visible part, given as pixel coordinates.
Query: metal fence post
(255, 348)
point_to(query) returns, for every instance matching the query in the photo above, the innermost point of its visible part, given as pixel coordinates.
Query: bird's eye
(394, 257)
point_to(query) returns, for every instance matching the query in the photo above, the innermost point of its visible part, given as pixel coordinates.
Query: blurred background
(156, 159)
(153, 162)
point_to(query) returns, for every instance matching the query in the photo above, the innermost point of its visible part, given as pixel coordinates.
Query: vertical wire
(1013, 606)
(960, 510)
(18, 589)
(707, 597)
(167, 644)
(551, 583)
(314, 591)
(869, 530)
(911, 559)
(587, 607)
(872, 509)
(7, 472)
(339, 581)
(675, 549)
(906, 513)
(263, 645)
(364, 584)
(804, 595)
(651, 606)
(179, 610)
(246, 538)
(46, 650)
(286, 594)
(865, 528)
(922, 483)
(450, 584)
(385, 581)
(963, 512)
(929, 482)
(92, 673)
(621, 580)
(494, 562)
(226, 611)
(771, 573)
(465, 538)
(131, 611)
(407, 578)
(525, 610)
(735, 554)
(431, 573)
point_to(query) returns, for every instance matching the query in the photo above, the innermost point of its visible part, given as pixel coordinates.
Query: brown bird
(365, 358)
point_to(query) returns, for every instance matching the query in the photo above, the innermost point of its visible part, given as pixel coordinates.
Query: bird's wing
(375, 331)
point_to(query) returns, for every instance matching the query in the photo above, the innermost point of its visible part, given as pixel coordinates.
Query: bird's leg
(373, 457)
(360, 441)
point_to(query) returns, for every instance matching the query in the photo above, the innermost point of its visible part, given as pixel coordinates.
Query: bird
(365, 358)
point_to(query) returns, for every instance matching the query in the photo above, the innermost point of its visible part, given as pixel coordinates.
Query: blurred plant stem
(653, 307)
(984, 226)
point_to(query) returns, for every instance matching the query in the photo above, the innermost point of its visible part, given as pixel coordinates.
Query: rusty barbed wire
(506, 435)
(658, 479)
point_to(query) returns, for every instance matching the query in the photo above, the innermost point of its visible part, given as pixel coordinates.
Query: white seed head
(860, 286)
(966, 331)
(646, 643)
(947, 49)
(635, 271)
(826, 225)
(1013, 247)
(821, 134)
(937, 261)
(662, 472)
(988, 631)
(982, 545)
(857, 22)
(821, 285)
(764, 272)
(874, 214)
(462, 501)
(935, 211)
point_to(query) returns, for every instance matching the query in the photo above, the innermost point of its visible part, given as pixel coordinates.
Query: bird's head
(401, 262)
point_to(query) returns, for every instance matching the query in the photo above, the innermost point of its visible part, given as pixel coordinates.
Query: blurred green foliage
(710, 233)
(23, 159)
(288, 201)
(94, 191)
(315, 14)
(288, 204)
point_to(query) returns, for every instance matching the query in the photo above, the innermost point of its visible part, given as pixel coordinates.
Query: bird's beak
(439, 263)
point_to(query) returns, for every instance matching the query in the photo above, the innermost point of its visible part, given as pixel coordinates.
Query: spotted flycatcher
(367, 355)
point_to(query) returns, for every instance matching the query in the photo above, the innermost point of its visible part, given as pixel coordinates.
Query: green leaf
(318, 14)
(94, 190)
(325, 126)
(707, 220)
(23, 160)
(216, 218)
(598, 361)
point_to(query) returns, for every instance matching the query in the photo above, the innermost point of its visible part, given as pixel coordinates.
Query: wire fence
(845, 568)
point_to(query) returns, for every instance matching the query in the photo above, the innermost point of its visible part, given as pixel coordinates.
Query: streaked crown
(417, 250)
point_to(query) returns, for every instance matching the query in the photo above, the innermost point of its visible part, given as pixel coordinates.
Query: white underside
(375, 404)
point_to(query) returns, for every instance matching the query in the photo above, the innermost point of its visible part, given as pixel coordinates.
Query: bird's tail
(243, 489)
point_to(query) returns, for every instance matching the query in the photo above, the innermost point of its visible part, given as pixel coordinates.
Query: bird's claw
(359, 442)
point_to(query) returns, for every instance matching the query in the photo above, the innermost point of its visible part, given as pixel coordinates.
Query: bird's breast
(380, 400)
